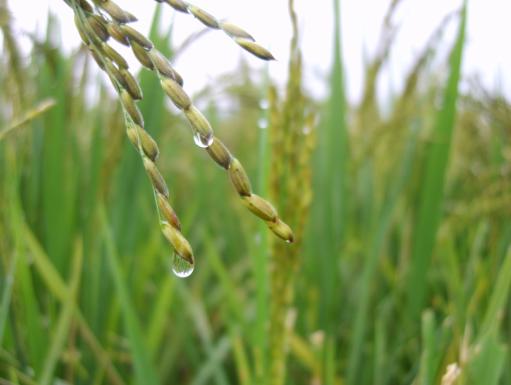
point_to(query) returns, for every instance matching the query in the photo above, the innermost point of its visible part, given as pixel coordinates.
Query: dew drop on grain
(203, 141)
(181, 267)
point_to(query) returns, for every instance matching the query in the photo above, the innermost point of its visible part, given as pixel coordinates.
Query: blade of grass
(381, 375)
(203, 328)
(209, 368)
(305, 354)
(330, 218)
(95, 275)
(382, 227)
(224, 278)
(432, 190)
(429, 349)
(487, 366)
(28, 116)
(64, 321)
(6, 294)
(10, 191)
(241, 359)
(58, 289)
(235, 316)
(499, 299)
(158, 323)
(335, 144)
(145, 373)
(59, 181)
(30, 315)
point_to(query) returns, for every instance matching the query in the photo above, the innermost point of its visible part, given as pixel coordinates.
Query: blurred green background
(402, 267)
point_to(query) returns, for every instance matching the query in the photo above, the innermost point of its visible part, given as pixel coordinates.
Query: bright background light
(486, 54)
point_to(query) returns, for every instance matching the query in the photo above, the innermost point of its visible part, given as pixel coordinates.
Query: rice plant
(399, 271)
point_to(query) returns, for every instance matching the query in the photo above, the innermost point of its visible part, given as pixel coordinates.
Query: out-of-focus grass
(330, 213)
(431, 196)
(405, 265)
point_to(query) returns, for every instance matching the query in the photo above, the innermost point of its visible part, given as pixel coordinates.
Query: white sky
(487, 51)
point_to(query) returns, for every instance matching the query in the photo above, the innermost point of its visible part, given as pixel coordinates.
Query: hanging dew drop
(181, 267)
(203, 141)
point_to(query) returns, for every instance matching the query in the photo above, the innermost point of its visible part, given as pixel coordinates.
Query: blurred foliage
(403, 267)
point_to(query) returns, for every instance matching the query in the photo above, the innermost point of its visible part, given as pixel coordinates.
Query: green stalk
(261, 254)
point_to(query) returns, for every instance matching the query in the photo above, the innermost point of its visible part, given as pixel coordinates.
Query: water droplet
(203, 141)
(262, 123)
(181, 267)
(263, 104)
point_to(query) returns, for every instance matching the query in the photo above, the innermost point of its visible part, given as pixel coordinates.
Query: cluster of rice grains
(104, 19)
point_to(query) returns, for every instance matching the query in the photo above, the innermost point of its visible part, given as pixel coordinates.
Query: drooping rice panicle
(241, 37)
(96, 25)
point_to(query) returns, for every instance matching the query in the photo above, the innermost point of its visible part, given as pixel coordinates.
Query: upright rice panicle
(292, 140)
(107, 19)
